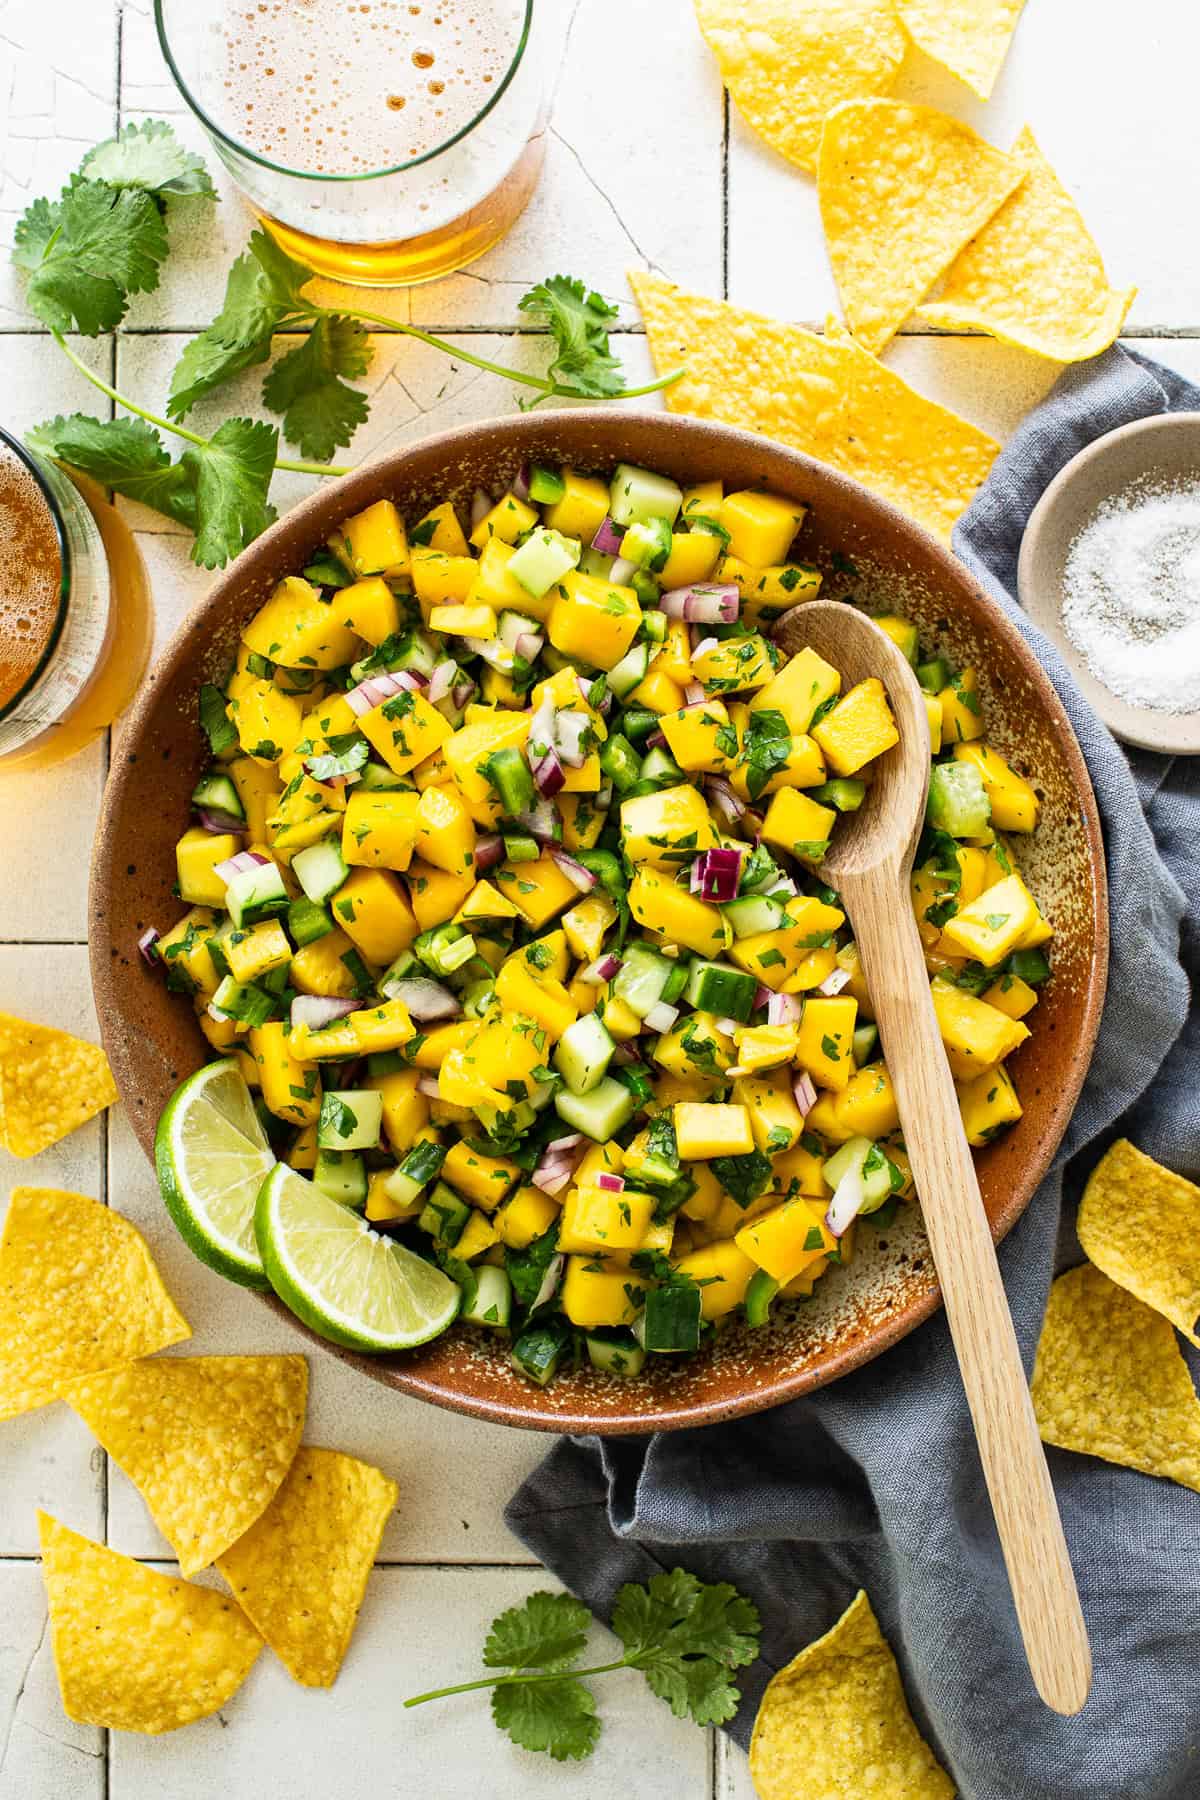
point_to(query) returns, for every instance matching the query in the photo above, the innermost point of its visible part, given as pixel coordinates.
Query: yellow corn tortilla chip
(1034, 277)
(50, 1084)
(902, 189)
(206, 1440)
(787, 62)
(835, 1725)
(822, 395)
(968, 37)
(301, 1570)
(79, 1293)
(1140, 1223)
(136, 1650)
(1110, 1380)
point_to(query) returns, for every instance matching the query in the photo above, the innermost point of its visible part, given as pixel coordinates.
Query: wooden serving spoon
(869, 863)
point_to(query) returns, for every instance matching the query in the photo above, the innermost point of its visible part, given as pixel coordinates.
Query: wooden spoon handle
(1014, 1463)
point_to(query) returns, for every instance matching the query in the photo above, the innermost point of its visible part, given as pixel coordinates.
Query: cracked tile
(43, 1754)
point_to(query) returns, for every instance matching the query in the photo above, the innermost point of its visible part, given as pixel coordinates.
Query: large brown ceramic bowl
(869, 552)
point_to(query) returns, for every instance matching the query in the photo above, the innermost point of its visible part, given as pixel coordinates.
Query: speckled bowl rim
(374, 479)
(1174, 734)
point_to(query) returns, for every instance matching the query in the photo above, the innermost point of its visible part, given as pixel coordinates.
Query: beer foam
(343, 87)
(30, 574)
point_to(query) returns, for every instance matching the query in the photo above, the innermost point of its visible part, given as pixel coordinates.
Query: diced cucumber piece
(478, 997)
(641, 494)
(546, 486)
(544, 558)
(257, 894)
(677, 980)
(509, 774)
(632, 669)
(865, 1156)
(594, 562)
(216, 792)
(491, 1303)
(413, 649)
(760, 872)
(642, 977)
(653, 627)
(934, 675)
(716, 988)
(648, 544)
(844, 791)
(519, 847)
(583, 1053)
(444, 1216)
(414, 1171)
(540, 1350)
(671, 1321)
(866, 1043)
(760, 1291)
(350, 1119)
(320, 869)
(620, 1354)
(620, 762)
(958, 801)
(1030, 965)
(512, 626)
(753, 913)
(306, 921)
(375, 777)
(244, 1001)
(659, 768)
(445, 948)
(599, 1114)
(343, 1176)
(647, 589)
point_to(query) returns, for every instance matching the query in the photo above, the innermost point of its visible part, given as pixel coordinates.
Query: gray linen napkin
(875, 1481)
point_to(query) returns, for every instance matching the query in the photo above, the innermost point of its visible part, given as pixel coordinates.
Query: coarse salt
(1131, 596)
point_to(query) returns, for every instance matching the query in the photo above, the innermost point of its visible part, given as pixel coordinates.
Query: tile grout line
(725, 193)
(457, 328)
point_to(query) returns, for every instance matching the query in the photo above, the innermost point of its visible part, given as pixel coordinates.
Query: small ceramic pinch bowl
(1163, 451)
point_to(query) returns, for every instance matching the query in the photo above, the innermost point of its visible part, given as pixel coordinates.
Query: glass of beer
(75, 618)
(383, 142)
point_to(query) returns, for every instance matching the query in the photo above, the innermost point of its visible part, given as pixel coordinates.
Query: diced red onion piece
(661, 1016)
(804, 1092)
(762, 995)
(694, 694)
(657, 740)
(704, 646)
(489, 851)
(622, 571)
(549, 774)
(608, 538)
(847, 1202)
(722, 796)
(571, 1141)
(570, 729)
(550, 1281)
(428, 1085)
(626, 1053)
(441, 681)
(600, 971)
(463, 693)
(784, 1009)
(611, 1184)
(378, 688)
(574, 871)
(520, 482)
(481, 506)
(729, 1027)
(696, 876)
(834, 982)
(147, 942)
(425, 999)
(529, 645)
(540, 736)
(721, 873)
(315, 1011)
(703, 605)
(211, 818)
(557, 1163)
(239, 864)
(541, 821)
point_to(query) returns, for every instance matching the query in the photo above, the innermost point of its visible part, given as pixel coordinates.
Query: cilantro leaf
(238, 338)
(283, 277)
(232, 473)
(768, 746)
(87, 252)
(578, 319)
(686, 1637)
(547, 1632)
(344, 753)
(527, 1267)
(320, 413)
(124, 454)
(558, 1717)
(149, 156)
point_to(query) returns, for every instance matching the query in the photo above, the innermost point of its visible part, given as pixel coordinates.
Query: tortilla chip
(206, 1440)
(1140, 1223)
(822, 395)
(301, 1571)
(787, 62)
(136, 1650)
(1110, 1380)
(50, 1084)
(1034, 277)
(902, 189)
(79, 1293)
(968, 37)
(835, 1725)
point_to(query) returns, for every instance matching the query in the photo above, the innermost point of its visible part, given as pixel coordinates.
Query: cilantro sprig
(104, 240)
(686, 1636)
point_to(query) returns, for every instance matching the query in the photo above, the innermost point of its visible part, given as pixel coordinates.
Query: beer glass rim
(30, 462)
(222, 136)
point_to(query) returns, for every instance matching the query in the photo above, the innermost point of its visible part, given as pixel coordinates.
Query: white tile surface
(418, 1629)
(633, 178)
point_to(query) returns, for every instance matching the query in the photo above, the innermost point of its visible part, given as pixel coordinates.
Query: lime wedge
(212, 1158)
(350, 1284)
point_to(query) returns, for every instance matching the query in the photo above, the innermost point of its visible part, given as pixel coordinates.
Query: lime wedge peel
(212, 1157)
(348, 1283)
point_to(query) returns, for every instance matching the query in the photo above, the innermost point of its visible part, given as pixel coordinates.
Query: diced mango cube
(593, 620)
(196, 857)
(441, 580)
(677, 916)
(975, 1034)
(825, 1040)
(804, 683)
(995, 923)
(297, 628)
(799, 825)
(761, 526)
(724, 1271)
(788, 1239)
(539, 890)
(1015, 805)
(595, 1295)
(667, 829)
(595, 1221)
(374, 541)
(484, 1180)
(405, 1108)
(988, 1104)
(255, 951)
(289, 1090)
(379, 828)
(404, 730)
(704, 1130)
(701, 738)
(866, 1106)
(962, 709)
(368, 608)
(858, 729)
(582, 509)
(526, 1216)
(508, 520)
(374, 912)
